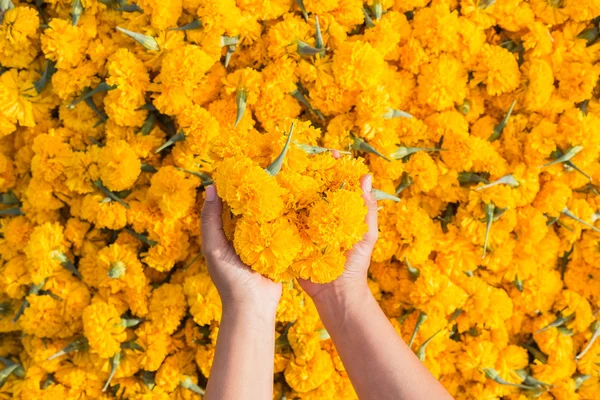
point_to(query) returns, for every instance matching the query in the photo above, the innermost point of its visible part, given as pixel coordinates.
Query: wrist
(251, 310)
(342, 293)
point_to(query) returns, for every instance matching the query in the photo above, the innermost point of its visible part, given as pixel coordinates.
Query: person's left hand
(237, 284)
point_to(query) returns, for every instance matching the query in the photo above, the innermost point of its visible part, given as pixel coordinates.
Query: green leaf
(49, 70)
(488, 210)
(304, 49)
(6, 372)
(188, 384)
(405, 182)
(149, 168)
(381, 195)
(145, 40)
(204, 177)
(229, 40)
(142, 238)
(79, 344)
(195, 24)
(469, 178)
(308, 149)
(498, 129)
(595, 327)
(414, 272)
(11, 211)
(393, 113)
(174, 139)
(276, 165)
(76, 11)
(403, 151)
(298, 95)
(115, 361)
(102, 87)
(240, 101)
(505, 180)
(420, 320)
(360, 145)
(319, 44)
(570, 153)
(423, 347)
(559, 321)
(300, 4)
(569, 214)
(98, 183)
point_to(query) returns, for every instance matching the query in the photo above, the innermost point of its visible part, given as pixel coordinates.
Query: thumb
(364, 248)
(214, 241)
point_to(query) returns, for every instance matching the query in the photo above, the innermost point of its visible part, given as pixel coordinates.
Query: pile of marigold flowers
(479, 120)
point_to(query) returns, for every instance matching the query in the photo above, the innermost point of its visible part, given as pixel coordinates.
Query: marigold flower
(118, 166)
(103, 329)
(338, 220)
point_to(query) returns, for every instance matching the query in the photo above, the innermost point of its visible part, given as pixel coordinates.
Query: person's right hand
(237, 284)
(354, 278)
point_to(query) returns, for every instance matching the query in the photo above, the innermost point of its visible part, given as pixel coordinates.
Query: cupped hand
(354, 278)
(237, 284)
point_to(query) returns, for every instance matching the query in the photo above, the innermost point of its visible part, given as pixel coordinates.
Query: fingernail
(368, 183)
(211, 193)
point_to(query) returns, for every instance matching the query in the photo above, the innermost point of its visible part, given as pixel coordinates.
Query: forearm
(244, 354)
(379, 363)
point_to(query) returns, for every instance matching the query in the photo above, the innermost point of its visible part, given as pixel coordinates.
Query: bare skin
(380, 365)
(243, 364)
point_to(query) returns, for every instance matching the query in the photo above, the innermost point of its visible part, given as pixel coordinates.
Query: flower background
(479, 120)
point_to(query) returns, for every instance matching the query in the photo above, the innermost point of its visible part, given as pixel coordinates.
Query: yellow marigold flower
(18, 33)
(7, 173)
(199, 127)
(15, 101)
(155, 343)
(435, 27)
(540, 84)
(118, 165)
(305, 375)
(174, 191)
(436, 294)
(81, 170)
(51, 155)
(102, 213)
(552, 198)
(248, 189)
(163, 14)
(338, 220)
(15, 236)
(45, 251)
(173, 245)
(119, 268)
(64, 43)
(577, 80)
(269, 248)
(245, 80)
(442, 83)
(321, 266)
(14, 277)
(182, 71)
(357, 65)
(103, 329)
(167, 307)
(203, 299)
(498, 70)
(222, 16)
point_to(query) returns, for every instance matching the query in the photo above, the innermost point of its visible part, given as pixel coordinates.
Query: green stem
(174, 139)
(420, 319)
(115, 361)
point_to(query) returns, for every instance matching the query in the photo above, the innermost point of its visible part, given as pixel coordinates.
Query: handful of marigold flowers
(297, 216)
